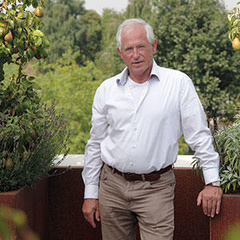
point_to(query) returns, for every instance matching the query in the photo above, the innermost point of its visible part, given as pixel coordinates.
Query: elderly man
(138, 117)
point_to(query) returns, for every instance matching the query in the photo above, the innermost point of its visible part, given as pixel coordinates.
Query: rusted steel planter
(34, 202)
(228, 217)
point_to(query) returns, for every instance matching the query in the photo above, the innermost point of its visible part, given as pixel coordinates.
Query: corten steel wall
(228, 218)
(66, 221)
(190, 222)
(33, 201)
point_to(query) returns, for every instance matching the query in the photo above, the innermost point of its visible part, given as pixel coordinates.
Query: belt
(153, 176)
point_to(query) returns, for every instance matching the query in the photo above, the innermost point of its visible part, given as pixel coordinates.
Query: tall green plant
(227, 144)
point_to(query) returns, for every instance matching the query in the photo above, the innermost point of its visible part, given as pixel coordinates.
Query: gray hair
(129, 22)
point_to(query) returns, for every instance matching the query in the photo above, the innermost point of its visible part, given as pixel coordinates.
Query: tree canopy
(69, 26)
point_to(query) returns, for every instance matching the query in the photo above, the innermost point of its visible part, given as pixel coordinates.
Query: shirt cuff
(211, 175)
(91, 191)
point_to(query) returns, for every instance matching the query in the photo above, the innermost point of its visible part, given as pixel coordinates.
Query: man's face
(137, 52)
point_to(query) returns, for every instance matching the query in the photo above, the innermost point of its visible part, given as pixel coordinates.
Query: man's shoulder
(170, 74)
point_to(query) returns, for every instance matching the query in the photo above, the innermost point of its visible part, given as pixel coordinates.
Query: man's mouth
(137, 63)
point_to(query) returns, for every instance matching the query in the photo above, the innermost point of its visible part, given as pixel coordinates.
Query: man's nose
(135, 53)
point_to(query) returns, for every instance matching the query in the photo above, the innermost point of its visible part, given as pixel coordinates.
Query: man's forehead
(132, 27)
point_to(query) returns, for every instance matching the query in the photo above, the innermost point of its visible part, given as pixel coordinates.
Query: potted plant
(31, 133)
(227, 144)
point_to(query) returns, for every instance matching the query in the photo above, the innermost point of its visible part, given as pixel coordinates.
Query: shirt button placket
(134, 142)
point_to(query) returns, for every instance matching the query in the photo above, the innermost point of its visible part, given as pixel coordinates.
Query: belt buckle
(133, 177)
(128, 176)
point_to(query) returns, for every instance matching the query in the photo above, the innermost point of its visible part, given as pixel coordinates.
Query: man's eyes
(138, 47)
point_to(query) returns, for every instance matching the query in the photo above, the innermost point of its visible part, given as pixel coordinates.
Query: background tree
(139, 9)
(62, 24)
(108, 59)
(69, 26)
(91, 35)
(73, 88)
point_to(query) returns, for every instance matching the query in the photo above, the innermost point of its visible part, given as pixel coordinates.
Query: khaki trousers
(123, 204)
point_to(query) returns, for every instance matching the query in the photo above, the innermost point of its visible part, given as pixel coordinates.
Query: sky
(120, 5)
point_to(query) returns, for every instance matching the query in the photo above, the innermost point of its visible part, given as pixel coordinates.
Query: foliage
(108, 59)
(91, 35)
(27, 40)
(139, 9)
(234, 23)
(31, 134)
(227, 144)
(70, 27)
(192, 38)
(228, 147)
(29, 144)
(184, 149)
(14, 219)
(73, 87)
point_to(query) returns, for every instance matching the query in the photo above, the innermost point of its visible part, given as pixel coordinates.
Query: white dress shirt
(142, 136)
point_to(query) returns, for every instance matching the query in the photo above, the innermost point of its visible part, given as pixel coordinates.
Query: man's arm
(92, 160)
(199, 138)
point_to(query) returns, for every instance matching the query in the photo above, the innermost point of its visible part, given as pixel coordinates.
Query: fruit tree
(234, 26)
(20, 31)
(31, 134)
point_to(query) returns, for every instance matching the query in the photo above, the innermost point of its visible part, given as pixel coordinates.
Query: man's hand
(90, 211)
(210, 198)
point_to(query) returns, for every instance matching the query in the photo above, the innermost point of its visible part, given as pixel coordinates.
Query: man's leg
(117, 221)
(155, 208)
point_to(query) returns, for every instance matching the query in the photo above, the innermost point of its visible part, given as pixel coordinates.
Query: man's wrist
(214, 184)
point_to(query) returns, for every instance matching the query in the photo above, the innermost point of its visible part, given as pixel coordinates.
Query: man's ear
(154, 45)
(119, 51)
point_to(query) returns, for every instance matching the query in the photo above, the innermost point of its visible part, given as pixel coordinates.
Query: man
(138, 117)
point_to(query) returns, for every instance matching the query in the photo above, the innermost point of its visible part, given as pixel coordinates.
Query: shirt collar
(123, 76)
